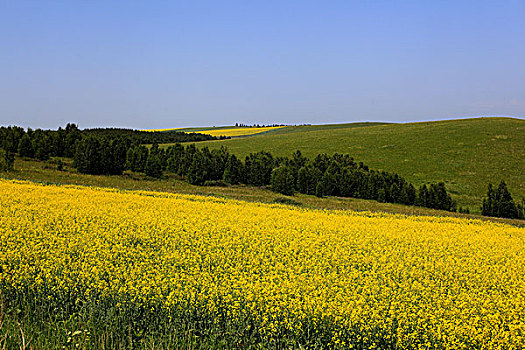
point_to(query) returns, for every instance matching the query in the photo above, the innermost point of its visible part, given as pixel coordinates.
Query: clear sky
(155, 64)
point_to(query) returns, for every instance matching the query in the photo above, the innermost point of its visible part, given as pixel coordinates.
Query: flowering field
(239, 131)
(232, 132)
(139, 263)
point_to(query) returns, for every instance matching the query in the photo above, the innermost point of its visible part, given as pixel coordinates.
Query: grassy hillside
(466, 154)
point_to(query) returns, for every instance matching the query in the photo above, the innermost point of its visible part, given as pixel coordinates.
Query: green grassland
(466, 154)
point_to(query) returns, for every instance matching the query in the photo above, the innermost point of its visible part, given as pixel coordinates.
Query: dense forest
(112, 151)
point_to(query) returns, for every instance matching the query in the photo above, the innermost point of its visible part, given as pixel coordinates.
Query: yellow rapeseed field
(353, 279)
(232, 132)
(239, 131)
(157, 130)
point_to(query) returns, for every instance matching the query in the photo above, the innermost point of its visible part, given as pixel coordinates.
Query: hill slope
(466, 154)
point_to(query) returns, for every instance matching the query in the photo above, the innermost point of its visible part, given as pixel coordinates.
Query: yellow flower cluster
(363, 278)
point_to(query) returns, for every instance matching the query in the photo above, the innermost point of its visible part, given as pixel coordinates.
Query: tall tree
(25, 147)
(282, 180)
(506, 208)
(233, 174)
(153, 166)
(88, 156)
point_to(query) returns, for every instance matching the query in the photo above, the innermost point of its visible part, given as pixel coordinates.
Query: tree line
(42, 144)
(325, 175)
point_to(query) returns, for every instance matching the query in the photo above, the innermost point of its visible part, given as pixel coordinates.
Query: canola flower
(356, 279)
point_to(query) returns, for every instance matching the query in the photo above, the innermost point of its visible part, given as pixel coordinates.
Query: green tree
(319, 189)
(153, 166)
(506, 208)
(423, 196)
(381, 195)
(283, 181)
(258, 168)
(25, 147)
(175, 156)
(307, 179)
(7, 160)
(197, 170)
(42, 147)
(233, 174)
(88, 156)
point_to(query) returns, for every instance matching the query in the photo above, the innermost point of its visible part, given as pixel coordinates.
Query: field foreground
(108, 268)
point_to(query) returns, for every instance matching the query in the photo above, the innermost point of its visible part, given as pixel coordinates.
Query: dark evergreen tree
(307, 179)
(282, 180)
(410, 194)
(440, 199)
(25, 147)
(57, 140)
(395, 193)
(258, 168)
(113, 156)
(381, 195)
(233, 174)
(136, 158)
(187, 160)
(9, 160)
(42, 146)
(197, 171)
(88, 156)
(423, 196)
(505, 204)
(175, 155)
(319, 189)
(330, 187)
(73, 135)
(153, 166)
(219, 160)
(321, 162)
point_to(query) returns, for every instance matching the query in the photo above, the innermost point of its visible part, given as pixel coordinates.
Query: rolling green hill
(466, 154)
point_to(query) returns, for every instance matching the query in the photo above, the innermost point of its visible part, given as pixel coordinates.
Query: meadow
(85, 267)
(466, 154)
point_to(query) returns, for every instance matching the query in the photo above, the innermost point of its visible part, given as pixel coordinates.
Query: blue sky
(154, 64)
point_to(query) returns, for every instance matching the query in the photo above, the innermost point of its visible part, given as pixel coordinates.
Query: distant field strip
(224, 131)
(233, 132)
(333, 278)
(153, 130)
